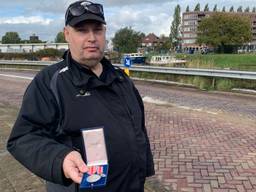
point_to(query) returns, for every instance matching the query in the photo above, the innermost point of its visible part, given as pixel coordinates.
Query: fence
(152, 69)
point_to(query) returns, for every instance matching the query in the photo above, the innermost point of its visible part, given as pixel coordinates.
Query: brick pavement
(217, 102)
(199, 152)
(193, 150)
(13, 176)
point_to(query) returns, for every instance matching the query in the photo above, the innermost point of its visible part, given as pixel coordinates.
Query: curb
(164, 82)
(244, 91)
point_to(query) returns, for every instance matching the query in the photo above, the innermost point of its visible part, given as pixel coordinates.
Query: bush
(205, 83)
(50, 52)
(224, 84)
(16, 56)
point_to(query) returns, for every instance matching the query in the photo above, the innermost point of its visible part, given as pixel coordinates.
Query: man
(82, 91)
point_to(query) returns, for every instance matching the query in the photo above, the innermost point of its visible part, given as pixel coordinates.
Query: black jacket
(65, 97)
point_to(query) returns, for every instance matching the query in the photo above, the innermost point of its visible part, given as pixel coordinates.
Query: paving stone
(193, 150)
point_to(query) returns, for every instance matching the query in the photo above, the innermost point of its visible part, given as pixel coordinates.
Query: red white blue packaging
(96, 158)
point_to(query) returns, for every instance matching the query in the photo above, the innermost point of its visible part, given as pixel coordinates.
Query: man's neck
(97, 70)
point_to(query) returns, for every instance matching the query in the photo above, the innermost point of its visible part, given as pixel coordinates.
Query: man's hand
(74, 166)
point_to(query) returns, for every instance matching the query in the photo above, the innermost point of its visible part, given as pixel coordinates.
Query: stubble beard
(92, 62)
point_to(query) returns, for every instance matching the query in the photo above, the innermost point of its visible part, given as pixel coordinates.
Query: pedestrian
(82, 91)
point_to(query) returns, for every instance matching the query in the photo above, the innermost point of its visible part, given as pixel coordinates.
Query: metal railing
(26, 63)
(154, 69)
(198, 72)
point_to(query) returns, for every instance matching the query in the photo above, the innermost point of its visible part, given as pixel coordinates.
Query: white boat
(137, 58)
(167, 60)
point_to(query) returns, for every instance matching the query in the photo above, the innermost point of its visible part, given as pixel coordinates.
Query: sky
(45, 18)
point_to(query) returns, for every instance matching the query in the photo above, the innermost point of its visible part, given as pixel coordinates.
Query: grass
(221, 61)
(203, 83)
(246, 62)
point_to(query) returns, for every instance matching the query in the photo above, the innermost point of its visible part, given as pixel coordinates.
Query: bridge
(31, 47)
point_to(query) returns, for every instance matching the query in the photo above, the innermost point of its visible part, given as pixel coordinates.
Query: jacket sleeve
(150, 162)
(31, 141)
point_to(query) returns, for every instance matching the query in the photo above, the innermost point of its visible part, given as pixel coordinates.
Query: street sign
(127, 62)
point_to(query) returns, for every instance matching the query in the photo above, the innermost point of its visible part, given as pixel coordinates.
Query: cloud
(59, 6)
(26, 20)
(46, 17)
(49, 6)
(45, 32)
(32, 6)
(131, 2)
(156, 19)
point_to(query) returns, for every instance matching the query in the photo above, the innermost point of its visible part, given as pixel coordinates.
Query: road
(209, 102)
(201, 141)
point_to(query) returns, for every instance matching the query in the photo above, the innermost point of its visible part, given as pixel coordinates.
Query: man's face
(86, 42)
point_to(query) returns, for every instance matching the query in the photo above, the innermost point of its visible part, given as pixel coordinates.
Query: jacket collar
(83, 77)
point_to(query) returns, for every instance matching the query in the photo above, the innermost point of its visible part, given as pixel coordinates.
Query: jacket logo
(83, 93)
(63, 69)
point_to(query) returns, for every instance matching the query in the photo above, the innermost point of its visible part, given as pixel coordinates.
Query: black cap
(80, 11)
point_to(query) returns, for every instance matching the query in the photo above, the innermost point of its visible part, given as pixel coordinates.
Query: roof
(150, 38)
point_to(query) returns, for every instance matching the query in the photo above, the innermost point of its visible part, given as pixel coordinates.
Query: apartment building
(191, 20)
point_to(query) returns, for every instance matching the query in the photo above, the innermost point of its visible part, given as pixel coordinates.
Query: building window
(188, 41)
(190, 22)
(186, 29)
(191, 35)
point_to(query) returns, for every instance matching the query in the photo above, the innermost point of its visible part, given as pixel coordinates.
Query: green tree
(164, 44)
(215, 8)
(206, 8)
(197, 7)
(231, 9)
(60, 38)
(187, 9)
(175, 27)
(240, 9)
(254, 9)
(11, 37)
(224, 31)
(247, 9)
(224, 9)
(126, 40)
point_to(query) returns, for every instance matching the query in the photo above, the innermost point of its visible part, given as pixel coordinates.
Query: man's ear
(66, 33)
